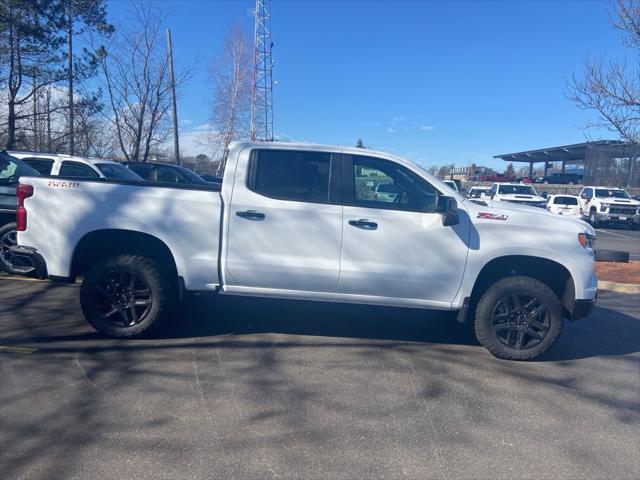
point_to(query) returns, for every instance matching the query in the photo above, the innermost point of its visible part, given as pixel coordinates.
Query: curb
(618, 287)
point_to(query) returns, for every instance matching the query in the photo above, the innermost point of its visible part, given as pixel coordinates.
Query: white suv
(57, 164)
(565, 205)
(519, 193)
(609, 205)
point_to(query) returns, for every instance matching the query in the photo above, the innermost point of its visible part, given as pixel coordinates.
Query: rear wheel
(9, 263)
(518, 318)
(127, 296)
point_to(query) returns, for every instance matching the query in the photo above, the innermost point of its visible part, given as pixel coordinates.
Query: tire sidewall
(517, 284)
(146, 270)
(3, 266)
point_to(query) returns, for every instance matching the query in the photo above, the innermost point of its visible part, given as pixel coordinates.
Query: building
(604, 162)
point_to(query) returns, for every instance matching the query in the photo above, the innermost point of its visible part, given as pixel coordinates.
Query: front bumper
(583, 308)
(617, 217)
(31, 257)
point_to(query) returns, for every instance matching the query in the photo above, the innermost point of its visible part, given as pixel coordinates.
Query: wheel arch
(550, 272)
(100, 244)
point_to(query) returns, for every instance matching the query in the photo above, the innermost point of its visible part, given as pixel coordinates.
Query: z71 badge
(492, 216)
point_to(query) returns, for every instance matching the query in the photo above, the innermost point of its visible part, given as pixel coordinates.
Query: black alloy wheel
(123, 299)
(520, 321)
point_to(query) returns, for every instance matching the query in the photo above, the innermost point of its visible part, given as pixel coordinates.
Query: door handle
(364, 224)
(251, 215)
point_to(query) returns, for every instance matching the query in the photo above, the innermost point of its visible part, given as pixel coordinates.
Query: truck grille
(619, 210)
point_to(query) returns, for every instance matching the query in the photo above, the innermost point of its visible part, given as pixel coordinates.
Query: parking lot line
(616, 234)
(16, 349)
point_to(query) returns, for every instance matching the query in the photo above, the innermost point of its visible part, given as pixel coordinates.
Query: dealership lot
(250, 388)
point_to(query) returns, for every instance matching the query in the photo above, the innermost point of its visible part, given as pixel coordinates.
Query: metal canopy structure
(604, 161)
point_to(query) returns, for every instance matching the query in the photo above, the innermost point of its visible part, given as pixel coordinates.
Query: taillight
(22, 191)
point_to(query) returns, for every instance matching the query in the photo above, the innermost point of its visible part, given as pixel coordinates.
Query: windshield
(517, 189)
(606, 193)
(565, 201)
(11, 169)
(117, 172)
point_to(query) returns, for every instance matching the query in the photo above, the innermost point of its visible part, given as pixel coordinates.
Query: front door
(285, 223)
(394, 245)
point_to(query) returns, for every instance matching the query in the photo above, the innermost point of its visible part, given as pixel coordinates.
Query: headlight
(603, 207)
(587, 240)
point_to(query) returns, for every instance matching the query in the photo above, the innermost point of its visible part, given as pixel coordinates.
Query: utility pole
(70, 74)
(49, 150)
(176, 143)
(262, 91)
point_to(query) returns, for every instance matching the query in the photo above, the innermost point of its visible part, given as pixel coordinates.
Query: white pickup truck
(609, 205)
(303, 222)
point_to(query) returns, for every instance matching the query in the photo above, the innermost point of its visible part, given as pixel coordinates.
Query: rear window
(117, 172)
(77, 169)
(289, 175)
(42, 165)
(565, 201)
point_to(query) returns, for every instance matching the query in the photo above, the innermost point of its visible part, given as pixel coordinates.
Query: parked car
(477, 191)
(56, 164)
(289, 222)
(166, 173)
(211, 179)
(563, 178)
(515, 193)
(11, 169)
(567, 205)
(606, 205)
(386, 192)
(524, 180)
(452, 184)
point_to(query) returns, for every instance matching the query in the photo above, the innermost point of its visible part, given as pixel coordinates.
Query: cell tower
(262, 92)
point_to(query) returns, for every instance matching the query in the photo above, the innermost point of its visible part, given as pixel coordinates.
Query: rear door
(398, 248)
(285, 222)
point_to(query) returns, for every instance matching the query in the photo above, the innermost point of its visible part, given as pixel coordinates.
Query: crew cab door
(585, 197)
(284, 223)
(398, 247)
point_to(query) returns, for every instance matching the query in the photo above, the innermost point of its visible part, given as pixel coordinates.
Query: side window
(588, 193)
(494, 189)
(291, 175)
(76, 169)
(42, 165)
(168, 174)
(383, 184)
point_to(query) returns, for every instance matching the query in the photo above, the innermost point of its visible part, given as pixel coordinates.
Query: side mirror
(448, 207)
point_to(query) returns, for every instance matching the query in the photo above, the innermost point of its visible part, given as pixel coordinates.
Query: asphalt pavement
(619, 239)
(256, 388)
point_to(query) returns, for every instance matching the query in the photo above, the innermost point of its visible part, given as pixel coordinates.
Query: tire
(612, 256)
(127, 296)
(500, 325)
(7, 260)
(593, 219)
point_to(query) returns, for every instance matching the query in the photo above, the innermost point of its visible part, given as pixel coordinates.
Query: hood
(521, 197)
(619, 201)
(525, 215)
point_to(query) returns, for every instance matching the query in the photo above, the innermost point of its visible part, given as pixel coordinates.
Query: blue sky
(436, 82)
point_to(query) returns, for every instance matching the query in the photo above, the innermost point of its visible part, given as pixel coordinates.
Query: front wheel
(127, 296)
(518, 318)
(593, 218)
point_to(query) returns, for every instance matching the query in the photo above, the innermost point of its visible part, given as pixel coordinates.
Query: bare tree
(231, 78)
(610, 87)
(136, 74)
